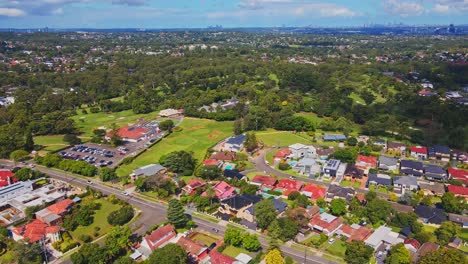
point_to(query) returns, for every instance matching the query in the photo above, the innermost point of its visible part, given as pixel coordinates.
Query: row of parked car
(94, 151)
(89, 159)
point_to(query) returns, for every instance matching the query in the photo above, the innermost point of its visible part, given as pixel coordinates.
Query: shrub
(94, 110)
(284, 166)
(121, 216)
(85, 238)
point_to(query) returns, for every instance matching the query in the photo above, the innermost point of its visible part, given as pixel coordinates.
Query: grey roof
(381, 179)
(432, 186)
(332, 164)
(149, 170)
(461, 219)
(385, 234)
(341, 192)
(337, 137)
(241, 201)
(431, 214)
(280, 206)
(405, 180)
(306, 162)
(387, 161)
(415, 165)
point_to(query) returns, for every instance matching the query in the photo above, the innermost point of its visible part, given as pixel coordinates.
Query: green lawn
(313, 117)
(233, 251)
(87, 123)
(269, 156)
(273, 137)
(100, 220)
(348, 183)
(383, 189)
(197, 135)
(337, 249)
(205, 239)
(464, 234)
(356, 98)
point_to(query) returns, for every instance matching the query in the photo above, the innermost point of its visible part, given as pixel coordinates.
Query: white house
(302, 151)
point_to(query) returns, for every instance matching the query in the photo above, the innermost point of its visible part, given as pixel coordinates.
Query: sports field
(273, 137)
(197, 135)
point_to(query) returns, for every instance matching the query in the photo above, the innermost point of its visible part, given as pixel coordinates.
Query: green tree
(283, 228)
(107, 174)
(28, 141)
(19, 155)
(398, 254)
(209, 172)
(166, 125)
(116, 140)
(124, 260)
(121, 216)
(238, 127)
(251, 242)
(338, 207)
(453, 204)
(443, 255)
(117, 240)
(371, 195)
(176, 214)
(71, 139)
(28, 253)
(379, 210)
(321, 202)
(89, 253)
(265, 213)
(427, 200)
(352, 141)
(274, 257)
(233, 236)
(446, 231)
(357, 252)
(169, 254)
(250, 142)
(345, 155)
(179, 162)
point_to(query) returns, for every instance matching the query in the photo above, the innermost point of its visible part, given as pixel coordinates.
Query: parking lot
(105, 155)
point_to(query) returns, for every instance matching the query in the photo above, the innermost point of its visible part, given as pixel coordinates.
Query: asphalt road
(154, 213)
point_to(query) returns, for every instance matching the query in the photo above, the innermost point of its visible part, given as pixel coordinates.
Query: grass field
(100, 220)
(205, 239)
(273, 137)
(197, 135)
(87, 123)
(50, 143)
(337, 249)
(464, 234)
(233, 251)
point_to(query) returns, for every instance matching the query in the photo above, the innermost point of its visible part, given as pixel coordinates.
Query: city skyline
(230, 14)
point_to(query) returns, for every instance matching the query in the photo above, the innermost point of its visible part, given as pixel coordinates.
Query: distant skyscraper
(451, 28)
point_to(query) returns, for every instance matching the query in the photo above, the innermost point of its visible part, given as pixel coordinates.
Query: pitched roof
(458, 173)
(435, 187)
(355, 232)
(236, 140)
(282, 153)
(6, 178)
(315, 190)
(394, 145)
(61, 207)
(35, 230)
(402, 208)
(433, 215)
(235, 173)
(219, 258)
(381, 179)
(461, 219)
(223, 190)
(413, 242)
(224, 155)
(241, 201)
(191, 247)
(210, 162)
(418, 149)
(427, 247)
(149, 170)
(129, 132)
(387, 161)
(458, 190)
(434, 169)
(264, 180)
(440, 149)
(158, 236)
(416, 165)
(368, 161)
(342, 192)
(405, 180)
(353, 171)
(325, 221)
(289, 184)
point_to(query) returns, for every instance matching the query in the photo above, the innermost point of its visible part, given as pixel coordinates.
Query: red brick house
(314, 191)
(458, 174)
(196, 252)
(458, 190)
(219, 258)
(192, 186)
(325, 223)
(158, 238)
(354, 232)
(262, 180)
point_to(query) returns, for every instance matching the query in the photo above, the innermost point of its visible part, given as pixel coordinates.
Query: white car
(331, 241)
(125, 193)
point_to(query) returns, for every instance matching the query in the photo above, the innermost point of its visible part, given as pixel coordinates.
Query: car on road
(267, 162)
(89, 182)
(125, 193)
(215, 230)
(292, 177)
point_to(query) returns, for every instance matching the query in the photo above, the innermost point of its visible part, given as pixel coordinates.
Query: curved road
(154, 213)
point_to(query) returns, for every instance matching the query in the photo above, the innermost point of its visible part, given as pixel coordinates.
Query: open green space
(464, 234)
(337, 249)
(272, 137)
(89, 122)
(100, 220)
(197, 135)
(233, 251)
(205, 239)
(203, 216)
(348, 183)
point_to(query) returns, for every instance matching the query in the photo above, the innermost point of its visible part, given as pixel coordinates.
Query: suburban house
(458, 174)
(336, 191)
(418, 152)
(458, 190)
(380, 142)
(404, 183)
(170, 112)
(234, 143)
(52, 215)
(237, 206)
(280, 207)
(411, 167)
(439, 153)
(430, 215)
(192, 186)
(402, 208)
(36, 231)
(220, 258)
(331, 168)
(435, 173)
(354, 232)
(461, 220)
(412, 245)
(379, 180)
(148, 170)
(326, 223)
(233, 174)
(366, 163)
(432, 188)
(424, 249)
(307, 166)
(300, 151)
(352, 172)
(212, 162)
(264, 181)
(223, 190)
(396, 147)
(224, 156)
(383, 236)
(388, 163)
(336, 137)
(196, 252)
(314, 191)
(157, 239)
(6, 178)
(286, 186)
(311, 211)
(324, 153)
(282, 154)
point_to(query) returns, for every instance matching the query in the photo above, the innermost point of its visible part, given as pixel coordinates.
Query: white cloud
(449, 6)
(441, 8)
(403, 8)
(11, 12)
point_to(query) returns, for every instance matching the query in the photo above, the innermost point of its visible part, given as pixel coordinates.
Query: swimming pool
(229, 167)
(292, 163)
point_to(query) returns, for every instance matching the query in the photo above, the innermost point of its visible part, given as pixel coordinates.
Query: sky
(228, 13)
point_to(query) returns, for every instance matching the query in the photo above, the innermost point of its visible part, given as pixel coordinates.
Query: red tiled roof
(60, 207)
(191, 247)
(359, 234)
(330, 226)
(360, 197)
(366, 161)
(413, 242)
(224, 155)
(223, 190)
(264, 180)
(195, 183)
(160, 236)
(427, 247)
(6, 175)
(35, 230)
(458, 173)
(210, 162)
(129, 132)
(282, 153)
(219, 258)
(418, 149)
(289, 184)
(459, 190)
(317, 192)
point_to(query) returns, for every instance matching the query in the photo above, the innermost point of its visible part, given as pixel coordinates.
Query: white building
(302, 151)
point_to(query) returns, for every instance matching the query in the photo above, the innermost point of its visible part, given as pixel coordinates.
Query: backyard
(271, 137)
(233, 251)
(207, 240)
(337, 249)
(197, 135)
